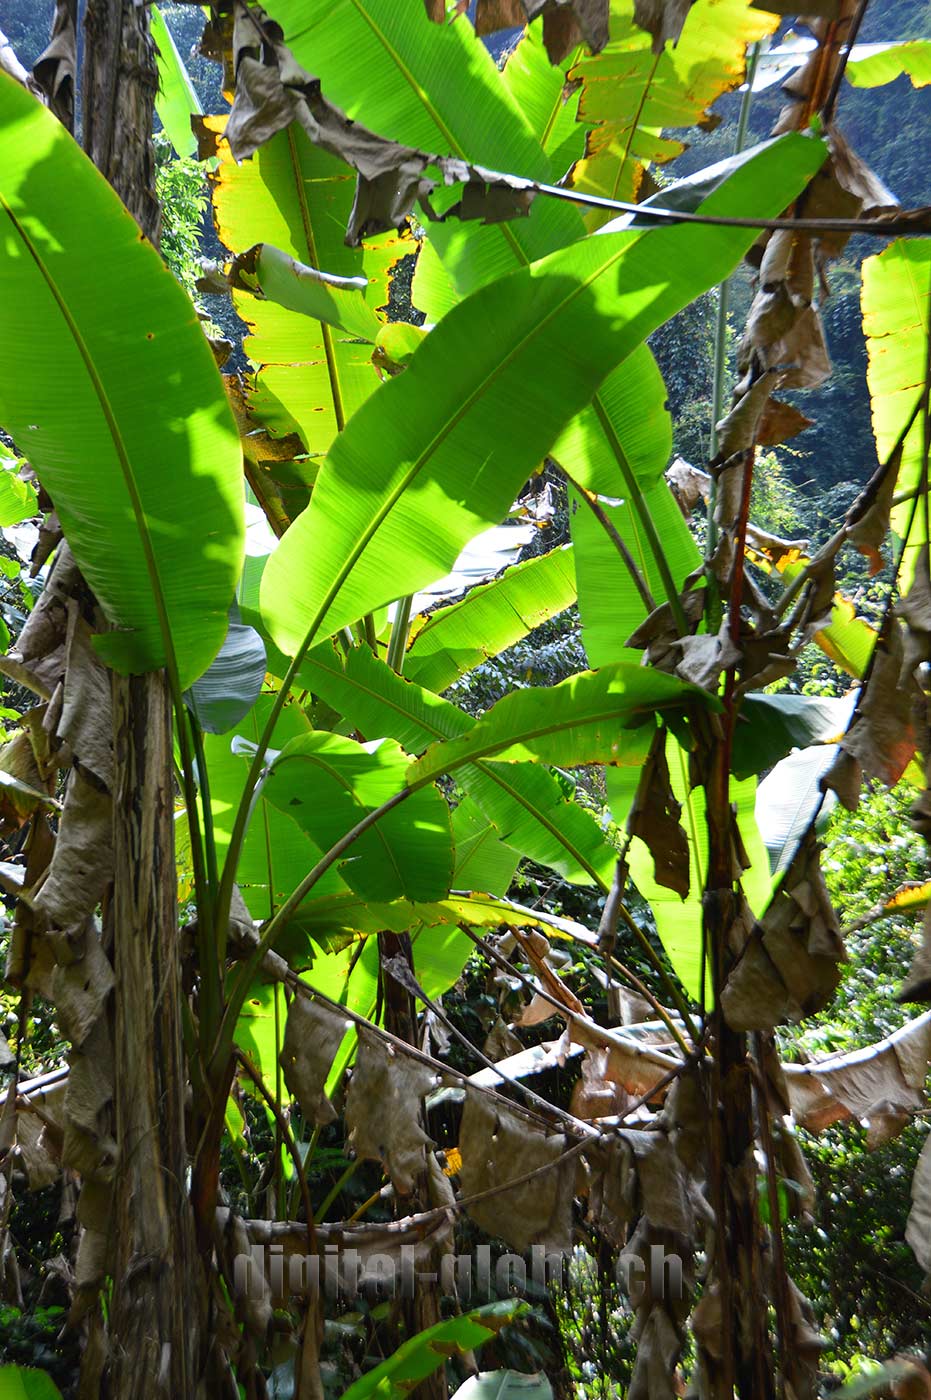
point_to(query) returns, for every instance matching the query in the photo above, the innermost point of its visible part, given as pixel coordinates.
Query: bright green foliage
(601, 716)
(328, 783)
(896, 297)
(883, 63)
(177, 101)
(630, 94)
(432, 459)
(163, 490)
(297, 198)
(422, 1355)
(492, 616)
(24, 1383)
(530, 809)
(17, 497)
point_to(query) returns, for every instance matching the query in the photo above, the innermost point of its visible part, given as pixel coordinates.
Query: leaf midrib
(119, 447)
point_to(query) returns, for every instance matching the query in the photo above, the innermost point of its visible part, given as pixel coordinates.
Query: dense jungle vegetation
(463, 773)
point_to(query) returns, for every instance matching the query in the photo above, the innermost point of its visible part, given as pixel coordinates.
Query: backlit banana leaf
(276, 854)
(432, 87)
(176, 101)
(432, 457)
(143, 462)
(630, 94)
(529, 808)
(428, 86)
(600, 716)
(297, 198)
(873, 65)
(895, 299)
(327, 783)
(549, 105)
(492, 616)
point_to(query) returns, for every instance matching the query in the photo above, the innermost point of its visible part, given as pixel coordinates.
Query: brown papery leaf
(55, 67)
(654, 817)
(595, 1096)
(82, 863)
(918, 1226)
(499, 1145)
(492, 15)
(882, 1084)
(383, 1110)
(788, 964)
(778, 422)
(882, 735)
(272, 90)
(663, 19)
(313, 1034)
(688, 484)
(867, 519)
(566, 22)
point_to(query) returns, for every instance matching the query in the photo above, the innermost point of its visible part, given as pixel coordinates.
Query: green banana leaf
(297, 198)
(895, 298)
(529, 808)
(432, 458)
(609, 605)
(276, 853)
(492, 616)
(26, 1383)
(787, 800)
(336, 920)
(176, 101)
(327, 783)
(150, 502)
(230, 686)
(483, 862)
(335, 300)
(423, 1354)
(432, 87)
(18, 500)
(874, 65)
(631, 95)
(600, 716)
(769, 727)
(549, 105)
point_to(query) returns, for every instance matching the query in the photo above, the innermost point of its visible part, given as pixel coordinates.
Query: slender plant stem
(397, 646)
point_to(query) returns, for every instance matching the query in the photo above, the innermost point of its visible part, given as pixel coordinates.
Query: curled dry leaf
(383, 1110)
(499, 1145)
(313, 1034)
(867, 519)
(54, 69)
(596, 1096)
(918, 1227)
(654, 817)
(881, 1084)
(788, 964)
(272, 90)
(82, 862)
(688, 484)
(881, 737)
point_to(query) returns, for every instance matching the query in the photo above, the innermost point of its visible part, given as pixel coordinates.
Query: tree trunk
(157, 1308)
